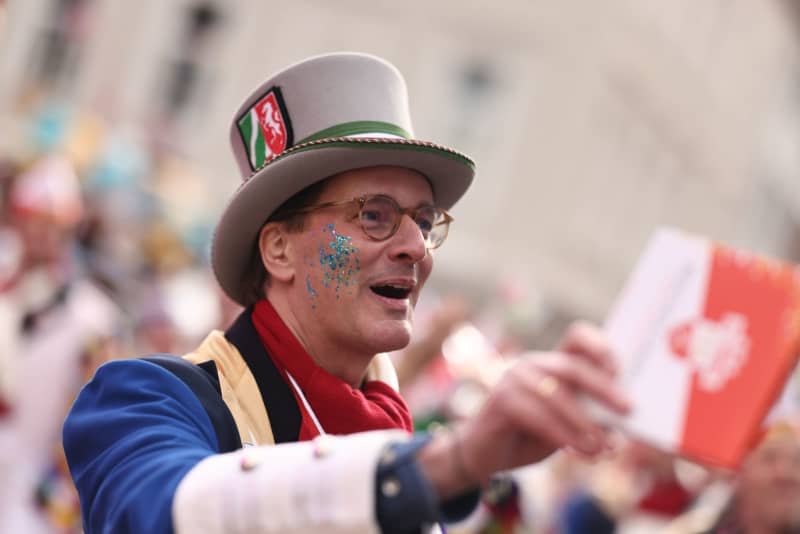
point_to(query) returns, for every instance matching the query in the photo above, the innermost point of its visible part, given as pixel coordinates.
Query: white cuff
(326, 485)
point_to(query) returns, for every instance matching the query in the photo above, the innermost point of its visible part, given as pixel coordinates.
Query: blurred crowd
(103, 254)
(94, 266)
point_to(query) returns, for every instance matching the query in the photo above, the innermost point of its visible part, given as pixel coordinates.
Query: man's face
(353, 292)
(769, 484)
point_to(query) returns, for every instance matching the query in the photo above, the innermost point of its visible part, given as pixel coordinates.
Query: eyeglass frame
(361, 202)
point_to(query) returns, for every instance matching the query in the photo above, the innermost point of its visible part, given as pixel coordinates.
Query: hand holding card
(708, 336)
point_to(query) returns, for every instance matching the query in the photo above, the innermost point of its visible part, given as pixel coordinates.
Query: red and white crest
(716, 350)
(272, 124)
(265, 128)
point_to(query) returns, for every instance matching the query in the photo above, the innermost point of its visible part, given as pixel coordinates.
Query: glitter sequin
(312, 293)
(339, 261)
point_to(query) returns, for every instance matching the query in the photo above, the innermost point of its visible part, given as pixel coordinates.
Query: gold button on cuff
(391, 487)
(388, 457)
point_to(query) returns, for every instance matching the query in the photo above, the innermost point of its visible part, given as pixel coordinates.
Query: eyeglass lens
(380, 218)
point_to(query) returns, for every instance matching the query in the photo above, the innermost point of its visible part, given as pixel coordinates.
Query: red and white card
(708, 336)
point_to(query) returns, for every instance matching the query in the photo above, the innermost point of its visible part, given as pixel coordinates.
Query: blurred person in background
(424, 350)
(290, 420)
(763, 497)
(10, 268)
(59, 325)
(767, 497)
(767, 491)
(154, 330)
(637, 490)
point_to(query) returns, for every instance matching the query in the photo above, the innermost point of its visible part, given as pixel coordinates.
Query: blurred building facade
(591, 123)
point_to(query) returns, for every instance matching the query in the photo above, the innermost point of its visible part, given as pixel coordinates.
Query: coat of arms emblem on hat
(265, 128)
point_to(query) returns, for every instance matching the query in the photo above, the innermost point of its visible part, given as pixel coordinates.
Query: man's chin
(391, 335)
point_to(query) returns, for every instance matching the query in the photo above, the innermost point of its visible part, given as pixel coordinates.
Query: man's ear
(273, 244)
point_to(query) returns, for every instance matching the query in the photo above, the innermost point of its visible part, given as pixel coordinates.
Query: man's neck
(339, 360)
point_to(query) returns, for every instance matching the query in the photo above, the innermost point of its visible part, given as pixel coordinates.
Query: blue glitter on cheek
(339, 260)
(312, 293)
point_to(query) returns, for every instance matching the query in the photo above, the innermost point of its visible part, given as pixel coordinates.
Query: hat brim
(449, 172)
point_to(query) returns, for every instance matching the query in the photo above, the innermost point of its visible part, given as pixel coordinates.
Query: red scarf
(339, 408)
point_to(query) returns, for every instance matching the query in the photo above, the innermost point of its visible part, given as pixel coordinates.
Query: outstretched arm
(536, 408)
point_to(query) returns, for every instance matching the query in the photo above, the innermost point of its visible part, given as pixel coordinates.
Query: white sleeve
(325, 485)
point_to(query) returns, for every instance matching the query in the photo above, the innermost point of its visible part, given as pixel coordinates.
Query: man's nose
(408, 243)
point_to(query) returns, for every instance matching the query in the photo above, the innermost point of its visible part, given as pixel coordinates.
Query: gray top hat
(317, 118)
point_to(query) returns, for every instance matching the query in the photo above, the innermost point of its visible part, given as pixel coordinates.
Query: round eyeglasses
(380, 216)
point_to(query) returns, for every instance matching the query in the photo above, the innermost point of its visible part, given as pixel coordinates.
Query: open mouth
(391, 292)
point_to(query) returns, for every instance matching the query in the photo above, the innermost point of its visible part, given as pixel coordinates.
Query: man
(327, 242)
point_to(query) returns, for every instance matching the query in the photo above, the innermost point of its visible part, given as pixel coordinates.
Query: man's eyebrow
(422, 203)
